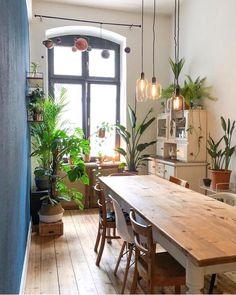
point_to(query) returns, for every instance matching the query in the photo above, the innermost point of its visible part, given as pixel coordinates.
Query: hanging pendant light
(177, 100)
(154, 88)
(141, 83)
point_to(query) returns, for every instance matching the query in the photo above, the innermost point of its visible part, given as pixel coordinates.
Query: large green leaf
(121, 151)
(132, 116)
(145, 126)
(142, 146)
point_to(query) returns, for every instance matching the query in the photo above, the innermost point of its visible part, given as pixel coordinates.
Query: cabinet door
(160, 169)
(152, 167)
(169, 171)
(162, 126)
(160, 148)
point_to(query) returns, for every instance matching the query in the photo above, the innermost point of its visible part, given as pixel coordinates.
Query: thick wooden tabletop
(202, 228)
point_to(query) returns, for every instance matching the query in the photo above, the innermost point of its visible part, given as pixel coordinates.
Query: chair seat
(167, 270)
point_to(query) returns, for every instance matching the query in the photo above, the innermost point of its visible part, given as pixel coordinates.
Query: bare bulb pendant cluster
(145, 90)
(177, 99)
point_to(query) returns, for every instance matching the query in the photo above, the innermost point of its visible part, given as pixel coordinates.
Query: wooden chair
(106, 218)
(230, 199)
(158, 269)
(106, 222)
(179, 181)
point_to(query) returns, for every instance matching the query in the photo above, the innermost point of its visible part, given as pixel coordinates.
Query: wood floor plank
(80, 265)
(66, 264)
(33, 281)
(49, 283)
(66, 275)
(102, 281)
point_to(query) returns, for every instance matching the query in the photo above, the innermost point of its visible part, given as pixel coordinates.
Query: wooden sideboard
(90, 200)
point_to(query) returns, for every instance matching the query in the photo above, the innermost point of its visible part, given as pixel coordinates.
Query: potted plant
(195, 90)
(134, 153)
(102, 133)
(176, 68)
(53, 143)
(221, 155)
(192, 90)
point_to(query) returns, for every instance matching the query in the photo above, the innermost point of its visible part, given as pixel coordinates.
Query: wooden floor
(66, 264)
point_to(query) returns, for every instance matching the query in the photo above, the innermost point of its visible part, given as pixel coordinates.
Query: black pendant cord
(154, 37)
(87, 21)
(175, 40)
(142, 37)
(176, 37)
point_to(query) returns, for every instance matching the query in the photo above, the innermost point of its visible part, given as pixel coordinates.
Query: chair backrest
(121, 223)
(228, 198)
(100, 201)
(143, 238)
(179, 181)
(124, 173)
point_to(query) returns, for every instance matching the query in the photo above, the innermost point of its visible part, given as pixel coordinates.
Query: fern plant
(195, 90)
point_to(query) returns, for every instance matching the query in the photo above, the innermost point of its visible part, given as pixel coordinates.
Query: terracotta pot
(49, 213)
(220, 179)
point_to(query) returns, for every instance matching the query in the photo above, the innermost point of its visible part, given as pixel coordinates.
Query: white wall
(163, 44)
(208, 43)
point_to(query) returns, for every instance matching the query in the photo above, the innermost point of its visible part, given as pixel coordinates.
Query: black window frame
(85, 80)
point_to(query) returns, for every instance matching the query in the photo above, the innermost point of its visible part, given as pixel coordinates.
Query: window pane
(67, 62)
(72, 115)
(99, 66)
(102, 109)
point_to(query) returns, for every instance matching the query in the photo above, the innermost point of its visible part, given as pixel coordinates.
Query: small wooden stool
(51, 229)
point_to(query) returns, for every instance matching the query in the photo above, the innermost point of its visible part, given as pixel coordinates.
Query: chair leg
(119, 258)
(135, 277)
(127, 267)
(109, 234)
(177, 289)
(97, 239)
(101, 246)
(212, 283)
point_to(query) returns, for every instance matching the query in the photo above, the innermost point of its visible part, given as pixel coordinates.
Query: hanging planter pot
(101, 132)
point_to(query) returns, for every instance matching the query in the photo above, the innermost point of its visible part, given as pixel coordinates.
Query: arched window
(93, 86)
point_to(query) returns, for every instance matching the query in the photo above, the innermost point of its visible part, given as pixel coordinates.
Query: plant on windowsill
(102, 133)
(221, 155)
(133, 154)
(50, 143)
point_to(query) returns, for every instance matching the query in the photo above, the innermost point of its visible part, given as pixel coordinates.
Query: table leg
(194, 278)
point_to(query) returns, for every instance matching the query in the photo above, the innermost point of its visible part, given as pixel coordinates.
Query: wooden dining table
(198, 231)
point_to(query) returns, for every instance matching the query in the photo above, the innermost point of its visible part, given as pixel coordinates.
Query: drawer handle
(162, 149)
(191, 154)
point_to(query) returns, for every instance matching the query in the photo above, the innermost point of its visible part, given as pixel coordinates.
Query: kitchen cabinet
(183, 138)
(191, 172)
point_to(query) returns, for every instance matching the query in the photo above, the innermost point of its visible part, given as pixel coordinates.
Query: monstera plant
(133, 153)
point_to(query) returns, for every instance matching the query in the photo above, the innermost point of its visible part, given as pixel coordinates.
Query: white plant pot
(50, 214)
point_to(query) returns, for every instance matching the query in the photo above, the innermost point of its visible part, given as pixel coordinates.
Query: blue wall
(14, 143)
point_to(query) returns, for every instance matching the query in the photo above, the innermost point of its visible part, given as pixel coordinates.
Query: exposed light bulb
(177, 100)
(141, 88)
(153, 90)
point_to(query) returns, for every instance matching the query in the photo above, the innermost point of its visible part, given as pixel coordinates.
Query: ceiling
(163, 6)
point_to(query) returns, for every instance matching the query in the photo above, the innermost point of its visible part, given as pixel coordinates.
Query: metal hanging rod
(88, 21)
